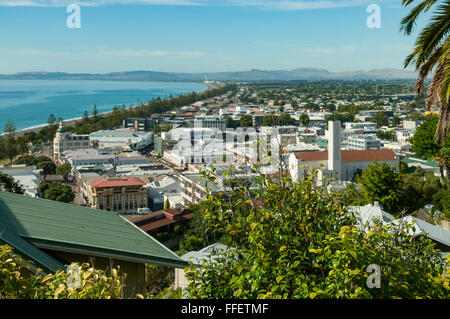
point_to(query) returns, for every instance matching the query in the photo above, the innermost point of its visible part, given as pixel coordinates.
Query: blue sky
(200, 35)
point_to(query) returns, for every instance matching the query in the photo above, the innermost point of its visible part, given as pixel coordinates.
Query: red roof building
(119, 194)
(162, 220)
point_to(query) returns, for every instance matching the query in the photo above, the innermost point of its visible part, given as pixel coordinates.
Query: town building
(139, 124)
(214, 122)
(117, 194)
(159, 186)
(92, 157)
(363, 142)
(28, 177)
(164, 220)
(335, 163)
(121, 139)
(65, 141)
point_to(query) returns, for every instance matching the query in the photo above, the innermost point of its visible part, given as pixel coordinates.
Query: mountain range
(236, 76)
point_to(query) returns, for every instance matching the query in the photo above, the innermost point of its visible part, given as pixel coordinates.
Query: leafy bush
(19, 281)
(302, 242)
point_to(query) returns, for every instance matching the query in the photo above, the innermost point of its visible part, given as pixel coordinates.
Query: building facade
(64, 141)
(122, 195)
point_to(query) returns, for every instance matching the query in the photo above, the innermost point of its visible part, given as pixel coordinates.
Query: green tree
(381, 119)
(8, 184)
(56, 191)
(380, 183)
(302, 242)
(395, 120)
(415, 116)
(432, 52)
(304, 119)
(270, 120)
(48, 167)
(64, 170)
(422, 142)
(424, 145)
(10, 127)
(51, 119)
(246, 120)
(95, 111)
(285, 119)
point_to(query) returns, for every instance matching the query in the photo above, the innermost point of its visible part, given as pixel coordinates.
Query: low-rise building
(27, 176)
(118, 194)
(363, 142)
(65, 141)
(139, 124)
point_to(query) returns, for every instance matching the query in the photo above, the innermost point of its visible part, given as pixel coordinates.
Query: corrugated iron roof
(65, 227)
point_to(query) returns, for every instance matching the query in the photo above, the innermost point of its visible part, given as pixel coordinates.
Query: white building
(95, 157)
(64, 141)
(121, 138)
(363, 142)
(336, 163)
(27, 176)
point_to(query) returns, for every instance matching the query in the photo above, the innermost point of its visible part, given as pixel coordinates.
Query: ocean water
(29, 103)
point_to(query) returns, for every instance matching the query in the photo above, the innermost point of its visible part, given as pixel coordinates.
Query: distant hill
(251, 75)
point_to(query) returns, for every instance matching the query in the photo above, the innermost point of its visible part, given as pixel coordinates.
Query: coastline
(36, 128)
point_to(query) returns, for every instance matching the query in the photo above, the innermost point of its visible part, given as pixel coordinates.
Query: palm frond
(434, 90)
(433, 34)
(426, 68)
(409, 21)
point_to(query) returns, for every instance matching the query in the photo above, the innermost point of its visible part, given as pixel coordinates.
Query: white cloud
(281, 5)
(102, 52)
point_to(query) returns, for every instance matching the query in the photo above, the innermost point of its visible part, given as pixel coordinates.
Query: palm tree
(432, 52)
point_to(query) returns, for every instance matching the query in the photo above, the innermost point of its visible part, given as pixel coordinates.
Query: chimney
(334, 148)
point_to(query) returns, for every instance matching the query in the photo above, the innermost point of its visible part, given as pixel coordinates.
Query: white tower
(334, 149)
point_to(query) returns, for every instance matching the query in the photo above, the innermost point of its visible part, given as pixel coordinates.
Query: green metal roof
(28, 251)
(419, 161)
(77, 229)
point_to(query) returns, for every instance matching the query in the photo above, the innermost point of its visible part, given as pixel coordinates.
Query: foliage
(158, 278)
(304, 119)
(381, 119)
(64, 170)
(380, 183)
(8, 184)
(197, 235)
(246, 120)
(19, 281)
(48, 167)
(423, 143)
(386, 135)
(56, 191)
(301, 242)
(431, 54)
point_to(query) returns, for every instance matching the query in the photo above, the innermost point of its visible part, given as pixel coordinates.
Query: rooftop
(116, 182)
(349, 156)
(29, 224)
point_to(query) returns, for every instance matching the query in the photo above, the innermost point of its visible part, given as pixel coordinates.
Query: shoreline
(38, 127)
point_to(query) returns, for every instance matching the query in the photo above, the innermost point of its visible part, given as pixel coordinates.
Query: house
(54, 234)
(117, 194)
(368, 214)
(162, 220)
(27, 176)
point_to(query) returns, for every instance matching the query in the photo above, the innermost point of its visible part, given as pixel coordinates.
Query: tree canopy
(296, 240)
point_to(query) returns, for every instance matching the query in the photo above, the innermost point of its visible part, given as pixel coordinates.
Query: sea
(29, 103)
